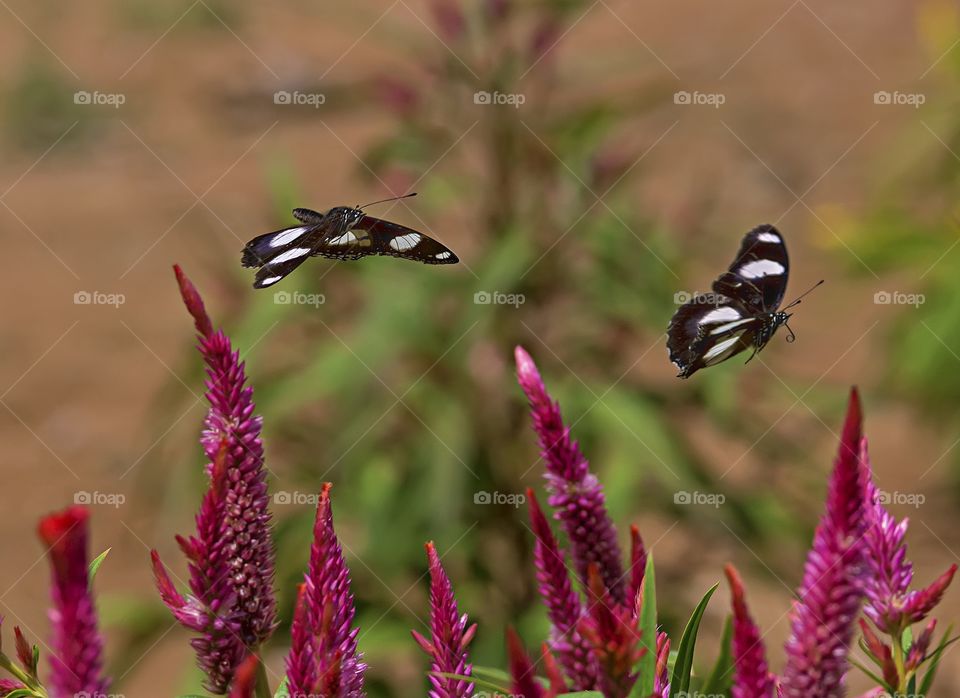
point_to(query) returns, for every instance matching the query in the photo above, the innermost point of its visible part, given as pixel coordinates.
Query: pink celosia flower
(752, 678)
(824, 618)
(231, 556)
(574, 491)
(76, 665)
(613, 632)
(522, 671)
(323, 659)
(563, 603)
(449, 635)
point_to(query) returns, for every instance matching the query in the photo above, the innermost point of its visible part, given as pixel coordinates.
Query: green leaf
(906, 640)
(474, 680)
(680, 680)
(873, 676)
(721, 678)
(97, 561)
(647, 666)
(282, 691)
(491, 673)
(934, 663)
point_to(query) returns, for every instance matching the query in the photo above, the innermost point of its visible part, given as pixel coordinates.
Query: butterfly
(340, 233)
(741, 313)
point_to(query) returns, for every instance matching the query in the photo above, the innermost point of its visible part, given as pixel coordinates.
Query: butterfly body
(741, 314)
(342, 233)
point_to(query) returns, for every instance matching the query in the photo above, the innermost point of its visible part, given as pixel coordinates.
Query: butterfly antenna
(392, 198)
(802, 295)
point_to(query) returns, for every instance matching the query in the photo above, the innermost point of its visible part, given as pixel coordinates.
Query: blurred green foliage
(911, 229)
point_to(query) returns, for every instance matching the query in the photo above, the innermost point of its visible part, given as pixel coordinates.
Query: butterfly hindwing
(278, 253)
(707, 330)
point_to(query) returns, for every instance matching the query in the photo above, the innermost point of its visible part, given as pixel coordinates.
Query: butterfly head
(352, 216)
(781, 318)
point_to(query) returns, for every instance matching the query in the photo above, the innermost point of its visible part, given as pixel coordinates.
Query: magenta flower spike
(574, 491)
(564, 609)
(323, 659)
(613, 632)
(891, 605)
(661, 680)
(449, 635)
(824, 617)
(231, 557)
(77, 661)
(522, 671)
(752, 678)
(638, 565)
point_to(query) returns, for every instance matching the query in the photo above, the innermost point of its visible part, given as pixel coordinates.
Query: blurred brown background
(101, 198)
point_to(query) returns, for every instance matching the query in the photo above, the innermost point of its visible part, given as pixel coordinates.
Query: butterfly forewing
(278, 253)
(757, 277)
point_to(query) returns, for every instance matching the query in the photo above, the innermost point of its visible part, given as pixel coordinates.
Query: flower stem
(262, 688)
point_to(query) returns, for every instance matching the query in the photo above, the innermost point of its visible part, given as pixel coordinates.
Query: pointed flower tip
(853, 425)
(526, 368)
(53, 528)
(193, 301)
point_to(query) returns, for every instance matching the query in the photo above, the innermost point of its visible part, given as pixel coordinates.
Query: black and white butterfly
(340, 233)
(741, 313)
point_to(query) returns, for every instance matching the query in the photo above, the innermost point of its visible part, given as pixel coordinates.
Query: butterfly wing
(757, 277)
(707, 330)
(278, 253)
(374, 236)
